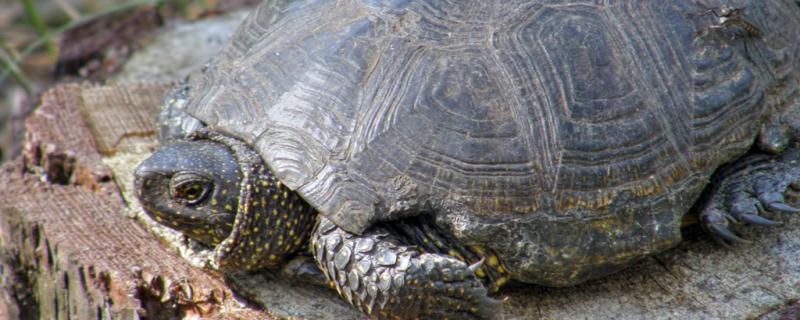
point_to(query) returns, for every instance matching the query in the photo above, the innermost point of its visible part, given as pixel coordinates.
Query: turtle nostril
(143, 179)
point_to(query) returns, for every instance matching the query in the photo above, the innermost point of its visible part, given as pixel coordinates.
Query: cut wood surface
(64, 226)
(65, 221)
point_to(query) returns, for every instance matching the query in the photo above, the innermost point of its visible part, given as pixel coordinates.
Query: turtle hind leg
(387, 279)
(753, 185)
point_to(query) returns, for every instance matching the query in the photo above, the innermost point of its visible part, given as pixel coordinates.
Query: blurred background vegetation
(42, 41)
(30, 31)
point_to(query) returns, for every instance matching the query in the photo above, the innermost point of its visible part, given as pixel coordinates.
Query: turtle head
(217, 190)
(192, 187)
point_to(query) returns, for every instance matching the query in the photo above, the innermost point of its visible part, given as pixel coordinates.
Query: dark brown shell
(570, 138)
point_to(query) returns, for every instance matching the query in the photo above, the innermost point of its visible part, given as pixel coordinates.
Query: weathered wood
(63, 222)
(127, 115)
(9, 306)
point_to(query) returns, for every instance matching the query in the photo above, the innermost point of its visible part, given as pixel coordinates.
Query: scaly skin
(273, 221)
(388, 280)
(422, 232)
(397, 270)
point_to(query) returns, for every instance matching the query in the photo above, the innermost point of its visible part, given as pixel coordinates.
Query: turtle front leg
(388, 280)
(753, 185)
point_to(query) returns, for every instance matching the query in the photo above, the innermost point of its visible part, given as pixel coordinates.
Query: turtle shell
(569, 137)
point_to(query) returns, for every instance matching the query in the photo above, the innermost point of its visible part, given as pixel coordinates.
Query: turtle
(421, 154)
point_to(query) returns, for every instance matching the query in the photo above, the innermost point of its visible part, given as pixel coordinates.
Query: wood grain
(63, 222)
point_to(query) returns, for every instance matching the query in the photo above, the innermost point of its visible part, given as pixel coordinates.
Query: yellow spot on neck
(492, 261)
(500, 282)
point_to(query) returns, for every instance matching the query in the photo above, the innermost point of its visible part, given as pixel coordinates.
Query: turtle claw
(754, 185)
(475, 266)
(781, 207)
(716, 222)
(758, 220)
(725, 233)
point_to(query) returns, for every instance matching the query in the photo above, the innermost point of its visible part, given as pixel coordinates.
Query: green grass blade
(38, 25)
(12, 70)
(45, 41)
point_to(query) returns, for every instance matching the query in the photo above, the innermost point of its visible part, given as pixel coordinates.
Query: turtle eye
(189, 188)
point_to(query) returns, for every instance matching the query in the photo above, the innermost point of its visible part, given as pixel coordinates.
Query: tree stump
(69, 249)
